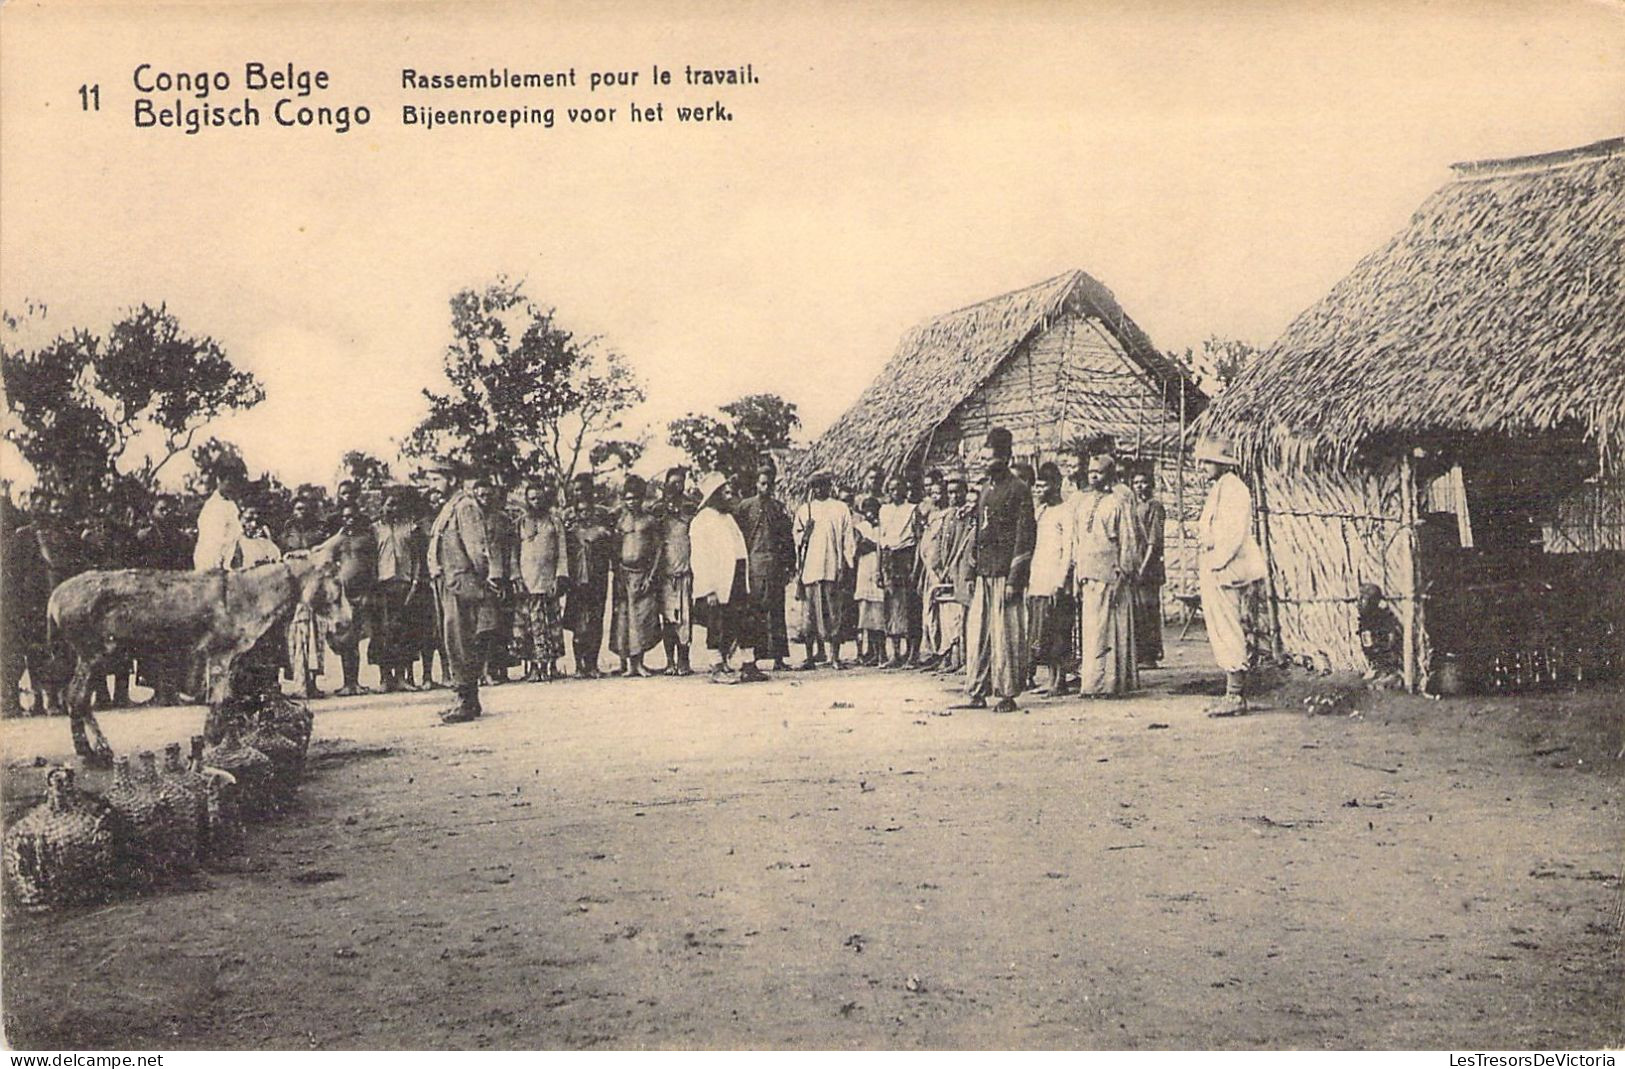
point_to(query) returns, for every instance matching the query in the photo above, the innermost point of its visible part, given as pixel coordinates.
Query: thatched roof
(944, 360)
(1497, 310)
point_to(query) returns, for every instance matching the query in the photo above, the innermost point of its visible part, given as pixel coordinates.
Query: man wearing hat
(995, 630)
(771, 548)
(469, 578)
(589, 537)
(1230, 562)
(721, 579)
(826, 551)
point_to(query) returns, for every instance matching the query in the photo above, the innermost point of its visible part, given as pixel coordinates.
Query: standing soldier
(1229, 563)
(589, 535)
(402, 584)
(771, 551)
(676, 573)
(635, 625)
(995, 630)
(497, 619)
(544, 576)
(1152, 518)
(468, 579)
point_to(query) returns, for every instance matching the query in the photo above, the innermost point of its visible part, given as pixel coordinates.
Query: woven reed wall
(1074, 380)
(1328, 533)
(1590, 520)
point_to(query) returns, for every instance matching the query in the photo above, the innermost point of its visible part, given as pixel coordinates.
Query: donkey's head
(321, 589)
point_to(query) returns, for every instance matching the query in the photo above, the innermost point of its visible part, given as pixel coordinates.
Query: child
(871, 597)
(1379, 636)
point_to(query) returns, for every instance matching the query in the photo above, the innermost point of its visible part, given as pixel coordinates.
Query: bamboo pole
(1263, 523)
(1407, 504)
(1179, 493)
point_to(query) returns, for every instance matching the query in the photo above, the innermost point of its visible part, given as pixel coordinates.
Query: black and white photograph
(884, 527)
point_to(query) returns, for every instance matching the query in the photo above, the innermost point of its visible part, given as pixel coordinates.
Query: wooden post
(1407, 505)
(1179, 493)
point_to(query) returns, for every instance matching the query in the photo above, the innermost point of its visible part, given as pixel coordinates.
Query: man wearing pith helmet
(468, 578)
(1229, 563)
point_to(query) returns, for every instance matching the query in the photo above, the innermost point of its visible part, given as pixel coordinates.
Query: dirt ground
(832, 861)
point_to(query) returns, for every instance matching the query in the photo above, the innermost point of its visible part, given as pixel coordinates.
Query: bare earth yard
(827, 860)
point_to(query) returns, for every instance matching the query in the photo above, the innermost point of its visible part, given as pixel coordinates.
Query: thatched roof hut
(1053, 359)
(1497, 310)
(1448, 424)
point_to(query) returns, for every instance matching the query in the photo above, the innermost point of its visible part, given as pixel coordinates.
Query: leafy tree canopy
(734, 445)
(526, 397)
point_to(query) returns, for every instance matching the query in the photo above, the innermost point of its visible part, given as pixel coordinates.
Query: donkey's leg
(220, 665)
(98, 754)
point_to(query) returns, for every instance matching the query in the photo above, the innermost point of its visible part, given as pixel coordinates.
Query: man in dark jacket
(770, 561)
(995, 629)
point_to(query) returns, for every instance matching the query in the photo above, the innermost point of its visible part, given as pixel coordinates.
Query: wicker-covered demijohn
(62, 851)
(251, 768)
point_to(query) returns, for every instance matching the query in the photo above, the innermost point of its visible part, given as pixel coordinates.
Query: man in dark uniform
(995, 630)
(468, 580)
(771, 555)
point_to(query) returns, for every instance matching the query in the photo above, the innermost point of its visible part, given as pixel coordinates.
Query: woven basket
(144, 848)
(291, 719)
(253, 771)
(63, 851)
(224, 803)
(195, 788)
(179, 814)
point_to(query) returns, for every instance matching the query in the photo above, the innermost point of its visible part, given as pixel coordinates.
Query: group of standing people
(666, 560)
(1018, 573)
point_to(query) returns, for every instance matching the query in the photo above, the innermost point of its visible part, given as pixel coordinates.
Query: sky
(1217, 166)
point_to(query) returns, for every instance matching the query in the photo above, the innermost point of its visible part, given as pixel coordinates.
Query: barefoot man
(995, 630)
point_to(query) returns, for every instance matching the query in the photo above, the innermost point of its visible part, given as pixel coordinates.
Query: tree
(364, 468)
(90, 413)
(1218, 363)
(755, 424)
(527, 397)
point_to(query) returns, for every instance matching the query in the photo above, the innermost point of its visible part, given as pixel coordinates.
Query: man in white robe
(719, 561)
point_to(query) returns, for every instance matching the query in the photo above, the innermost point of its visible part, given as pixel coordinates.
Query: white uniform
(1230, 562)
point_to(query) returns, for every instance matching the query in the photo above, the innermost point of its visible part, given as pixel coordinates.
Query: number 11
(90, 98)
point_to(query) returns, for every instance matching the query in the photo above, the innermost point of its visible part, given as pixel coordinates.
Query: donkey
(217, 615)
